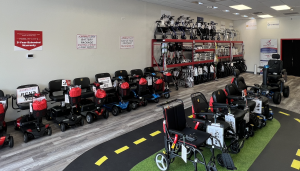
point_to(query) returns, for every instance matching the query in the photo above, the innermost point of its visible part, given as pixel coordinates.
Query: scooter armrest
(199, 120)
(235, 97)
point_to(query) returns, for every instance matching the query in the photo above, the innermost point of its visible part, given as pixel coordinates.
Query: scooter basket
(75, 100)
(39, 108)
(124, 89)
(168, 79)
(100, 97)
(75, 96)
(158, 87)
(39, 113)
(99, 101)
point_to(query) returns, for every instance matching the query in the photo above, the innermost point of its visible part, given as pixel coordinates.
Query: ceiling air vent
(291, 13)
(257, 13)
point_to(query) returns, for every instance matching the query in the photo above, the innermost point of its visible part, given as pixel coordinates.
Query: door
(291, 56)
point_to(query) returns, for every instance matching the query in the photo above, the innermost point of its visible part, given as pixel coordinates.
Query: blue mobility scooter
(5, 139)
(115, 100)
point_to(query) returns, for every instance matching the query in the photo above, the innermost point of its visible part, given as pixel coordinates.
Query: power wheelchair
(181, 138)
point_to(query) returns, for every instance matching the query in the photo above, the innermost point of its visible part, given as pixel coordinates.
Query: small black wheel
(89, 118)
(106, 114)
(264, 123)
(277, 97)
(220, 160)
(129, 107)
(176, 88)
(16, 126)
(134, 105)
(48, 115)
(235, 147)
(286, 91)
(49, 132)
(162, 161)
(251, 133)
(145, 103)
(246, 134)
(167, 95)
(11, 142)
(115, 111)
(62, 127)
(81, 122)
(270, 118)
(156, 100)
(25, 137)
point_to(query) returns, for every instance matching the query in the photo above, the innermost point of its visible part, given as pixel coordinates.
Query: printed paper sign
(26, 91)
(65, 83)
(268, 46)
(216, 131)
(231, 120)
(258, 106)
(106, 82)
(126, 42)
(273, 24)
(266, 56)
(184, 153)
(251, 25)
(28, 40)
(86, 41)
(247, 117)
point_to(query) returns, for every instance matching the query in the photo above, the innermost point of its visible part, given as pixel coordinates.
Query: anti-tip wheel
(162, 161)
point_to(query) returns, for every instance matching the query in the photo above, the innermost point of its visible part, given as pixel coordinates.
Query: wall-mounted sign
(273, 24)
(28, 40)
(251, 25)
(126, 42)
(267, 48)
(86, 41)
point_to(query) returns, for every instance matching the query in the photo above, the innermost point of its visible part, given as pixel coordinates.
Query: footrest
(228, 162)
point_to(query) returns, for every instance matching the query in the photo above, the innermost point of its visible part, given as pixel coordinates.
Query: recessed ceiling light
(240, 7)
(281, 7)
(236, 13)
(265, 16)
(212, 7)
(215, 7)
(200, 3)
(244, 15)
(252, 18)
(226, 11)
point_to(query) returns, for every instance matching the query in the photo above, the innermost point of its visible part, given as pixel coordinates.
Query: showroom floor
(57, 151)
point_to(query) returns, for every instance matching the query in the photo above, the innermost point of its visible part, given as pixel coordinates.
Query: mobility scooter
(5, 139)
(29, 97)
(64, 115)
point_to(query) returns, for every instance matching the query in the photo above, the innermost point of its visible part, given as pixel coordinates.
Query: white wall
(288, 28)
(60, 22)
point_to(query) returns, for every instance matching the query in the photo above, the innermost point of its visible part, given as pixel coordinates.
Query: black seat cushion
(201, 137)
(58, 98)
(238, 114)
(250, 104)
(23, 106)
(87, 94)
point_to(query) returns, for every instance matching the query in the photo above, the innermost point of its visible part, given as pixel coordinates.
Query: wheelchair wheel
(220, 160)
(286, 91)
(162, 161)
(277, 97)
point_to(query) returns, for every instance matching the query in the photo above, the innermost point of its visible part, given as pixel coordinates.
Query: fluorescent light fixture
(265, 16)
(240, 7)
(236, 13)
(200, 3)
(226, 11)
(281, 7)
(214, 7)
(244, 15)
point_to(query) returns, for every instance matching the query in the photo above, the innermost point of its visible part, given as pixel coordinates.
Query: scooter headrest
(236, 73)
(275, 56)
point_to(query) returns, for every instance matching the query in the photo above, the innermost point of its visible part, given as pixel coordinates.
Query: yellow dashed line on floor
(120, 150)
(191, 116)
(139, 141)
(296, 164)
(285, 113)
(155, 133)
(298, 153)
(100, 161)
(297, 120)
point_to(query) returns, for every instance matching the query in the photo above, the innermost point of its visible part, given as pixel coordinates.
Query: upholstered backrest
(232, 89)
(175, 117)
(219, 96)
(199, 102)
(84, 82)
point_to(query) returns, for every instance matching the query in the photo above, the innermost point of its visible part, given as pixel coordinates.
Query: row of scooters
(80, 100)
(236, 113)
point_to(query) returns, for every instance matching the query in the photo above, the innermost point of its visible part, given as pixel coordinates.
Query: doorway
(290, 56)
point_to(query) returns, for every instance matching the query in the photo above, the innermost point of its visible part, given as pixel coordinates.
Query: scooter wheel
(134, 105)
(89, 118)
(49, 131)
(220, 160)
(145, 103)
(264, 123)
(270, 118)
(11, 142)
(129, 107)
(156, 100)
(62, 127)
(251, 133)
(167, 95)
(81, 122)
(115, 111)
(106, 114)
(25, 138)
(277, 97)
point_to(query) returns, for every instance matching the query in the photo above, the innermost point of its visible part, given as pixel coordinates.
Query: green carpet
(243, 160)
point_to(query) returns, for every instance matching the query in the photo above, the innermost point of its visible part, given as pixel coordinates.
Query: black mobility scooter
(63, 114)
(29, 97)
(181, 138)
(274, 78)
(5, 139)
(90, 105)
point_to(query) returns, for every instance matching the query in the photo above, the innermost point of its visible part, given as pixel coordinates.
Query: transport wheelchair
(255, 93)
(200, 108)
(5, 139)
(179, 138)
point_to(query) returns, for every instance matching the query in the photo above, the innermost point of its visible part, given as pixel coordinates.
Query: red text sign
(28, 40)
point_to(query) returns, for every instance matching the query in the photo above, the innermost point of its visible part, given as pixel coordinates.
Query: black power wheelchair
(179, 138)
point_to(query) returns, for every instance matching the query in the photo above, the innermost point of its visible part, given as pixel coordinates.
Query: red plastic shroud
(2, 140)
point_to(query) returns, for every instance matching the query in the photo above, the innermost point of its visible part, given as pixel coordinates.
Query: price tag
(3, 103)
(200, 70)
(212, 69)
(184, 153)
(149, 79)
(231, 120)
(222, 69)
(67, 99)
(195, 71)
(65, 83)
(231, 64)
(94, 89)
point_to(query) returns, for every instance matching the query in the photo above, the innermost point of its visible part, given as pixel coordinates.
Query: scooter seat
(274, 77)
(87, 94)
(250, 104)
(57, 98)
(238, 114)
(23, 106)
